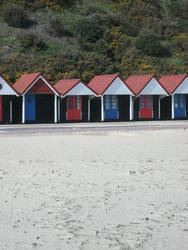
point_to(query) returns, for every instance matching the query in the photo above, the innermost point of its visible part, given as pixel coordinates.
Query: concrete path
(90, 127)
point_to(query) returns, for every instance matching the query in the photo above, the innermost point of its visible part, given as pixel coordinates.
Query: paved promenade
(91, 127)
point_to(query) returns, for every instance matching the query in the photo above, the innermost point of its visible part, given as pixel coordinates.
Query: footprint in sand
(21, 162)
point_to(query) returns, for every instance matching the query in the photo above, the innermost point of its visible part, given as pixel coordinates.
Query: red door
(74, 108)
(146, 107)
(1, 109)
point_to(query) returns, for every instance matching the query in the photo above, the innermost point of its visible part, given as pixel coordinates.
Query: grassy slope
(65, 58)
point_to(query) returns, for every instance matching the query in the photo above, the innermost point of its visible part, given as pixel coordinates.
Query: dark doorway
(166, 108)
(6, 109)
(85, 108)
(156, 107)
(45, 108)
(63, 109)
(95, 107)
(124, 107)
(136, 109)
(17, 110)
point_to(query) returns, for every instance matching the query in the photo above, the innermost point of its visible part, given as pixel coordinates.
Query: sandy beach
(94, 191)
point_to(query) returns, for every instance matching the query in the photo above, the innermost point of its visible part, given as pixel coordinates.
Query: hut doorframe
(131, 106)
(102, 108)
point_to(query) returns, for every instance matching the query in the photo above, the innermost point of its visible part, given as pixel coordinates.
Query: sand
(94, 191)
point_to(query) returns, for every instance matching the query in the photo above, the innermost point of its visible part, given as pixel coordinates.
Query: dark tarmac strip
(32, 129)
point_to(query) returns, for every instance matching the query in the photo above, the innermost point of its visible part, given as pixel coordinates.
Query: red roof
(64, 86)
(138, 83)
(171, 83)
(101, 82)
(25, 81)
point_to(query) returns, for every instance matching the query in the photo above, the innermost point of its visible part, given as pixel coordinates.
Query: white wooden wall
(5, 89)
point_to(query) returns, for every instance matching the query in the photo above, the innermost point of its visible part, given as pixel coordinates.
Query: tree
(148, 43)
(89, 28)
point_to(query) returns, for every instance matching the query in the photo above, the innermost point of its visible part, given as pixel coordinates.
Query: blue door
(111, 107)
(30, 107)
(179, 106)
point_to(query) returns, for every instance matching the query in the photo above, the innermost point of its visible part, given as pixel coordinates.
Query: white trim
(159, 103)
(55, 108)
(153, 87)
(182, 88)
(40, 77)
(102, 108)
(89, 106)
(131, 108)
(152, 107)
(23, 109)
(59, 109)
(118, 87)
(80, 89)
(10, 111)
(6, 88)
(172, 106)
(162, 96)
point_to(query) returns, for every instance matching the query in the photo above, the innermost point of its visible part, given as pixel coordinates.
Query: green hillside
(69, 38)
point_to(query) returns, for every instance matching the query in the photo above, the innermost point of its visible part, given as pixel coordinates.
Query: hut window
(70, 102)
(77, 102)
(142, 102)
(149, 102)
(114, 102)
(176, 101)
(182, 101)
(107, 102)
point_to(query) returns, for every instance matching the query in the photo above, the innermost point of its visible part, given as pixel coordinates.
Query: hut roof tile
(101, 82)
(137, 83)
(171, 83)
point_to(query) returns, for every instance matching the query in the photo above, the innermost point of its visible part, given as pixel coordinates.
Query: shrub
(185, 9)
(101, 47)
(113, 20)
(111, 69)
(16, 16)
(84, 45)
(31, 40)
(127, 43)
(57, 28)
(90, 10)
(38, 5)
(108, 36)
(129, 29)
(66, 3)
(179, 43)
(87, 75)
(148, 43)
(89, 28)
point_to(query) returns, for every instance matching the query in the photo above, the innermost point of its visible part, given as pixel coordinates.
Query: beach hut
(176, 105)
(148, 94)
(74, 103)
(114, 100)
(8, 96)
(38, 97)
